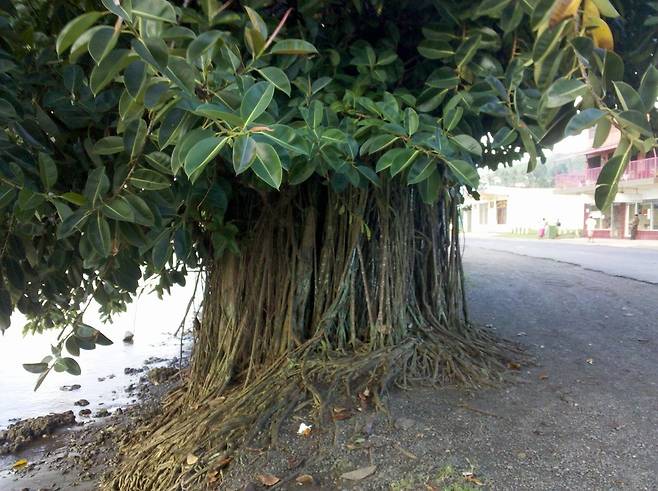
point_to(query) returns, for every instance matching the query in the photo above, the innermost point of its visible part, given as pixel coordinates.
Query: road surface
(631, 262)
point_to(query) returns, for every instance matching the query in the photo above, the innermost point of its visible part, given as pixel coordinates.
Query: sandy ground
(584, 417)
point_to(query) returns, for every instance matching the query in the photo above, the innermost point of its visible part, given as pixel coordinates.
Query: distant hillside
(542, 177)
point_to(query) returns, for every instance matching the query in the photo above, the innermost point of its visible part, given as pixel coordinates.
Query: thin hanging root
(218, 427)
(362, 289)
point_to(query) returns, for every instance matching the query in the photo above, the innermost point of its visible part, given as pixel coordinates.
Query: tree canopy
(132, 129)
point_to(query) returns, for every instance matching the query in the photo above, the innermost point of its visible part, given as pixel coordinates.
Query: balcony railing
(636, 169)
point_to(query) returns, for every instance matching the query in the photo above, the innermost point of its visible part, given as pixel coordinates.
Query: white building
(520, 210)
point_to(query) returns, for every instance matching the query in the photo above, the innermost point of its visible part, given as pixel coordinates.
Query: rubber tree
(310, 160)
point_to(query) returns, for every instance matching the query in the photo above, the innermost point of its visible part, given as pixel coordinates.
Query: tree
(310, 158)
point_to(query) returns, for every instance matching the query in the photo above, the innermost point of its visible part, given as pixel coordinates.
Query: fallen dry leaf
(19, 464)
(304, 429)
(543, 376)
(191, 459)
(474, 480)
(268, 479)
(304, 479)
(513, 366)
(359, 474)
(590, 361)
(224, 462)
(341, 413)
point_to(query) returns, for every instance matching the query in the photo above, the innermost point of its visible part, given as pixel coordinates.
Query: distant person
(542, 228)
(635, 223)
(557, 227)
(590, 224)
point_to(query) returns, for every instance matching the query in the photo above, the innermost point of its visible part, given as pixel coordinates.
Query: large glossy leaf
(102, 42)
(583, 120)
(201, 154)
(149, 180)
(74, 29)
(159, 10)
(255, 101)
(99, 234)
(564, 91)
(267, 165)
(465, 173)
(244, 152)
(293, 47)
(108, 69)
(276, 77)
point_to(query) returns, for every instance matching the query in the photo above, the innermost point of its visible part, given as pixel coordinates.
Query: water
(153, 321)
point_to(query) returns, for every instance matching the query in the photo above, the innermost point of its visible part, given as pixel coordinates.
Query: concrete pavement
(627, 259)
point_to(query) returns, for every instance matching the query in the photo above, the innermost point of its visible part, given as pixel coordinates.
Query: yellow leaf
(192, 459)
(19, 464)
(601, 34)
(563, 9)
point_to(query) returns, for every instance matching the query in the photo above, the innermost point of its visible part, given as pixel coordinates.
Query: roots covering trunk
(331, 291)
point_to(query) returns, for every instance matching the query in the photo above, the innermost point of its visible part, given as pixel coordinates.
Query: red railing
(637, 169)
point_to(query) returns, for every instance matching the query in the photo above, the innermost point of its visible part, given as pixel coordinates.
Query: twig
(476, 410)
(270, 40)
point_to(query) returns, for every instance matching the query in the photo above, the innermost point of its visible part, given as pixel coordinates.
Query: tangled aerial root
(213, 429)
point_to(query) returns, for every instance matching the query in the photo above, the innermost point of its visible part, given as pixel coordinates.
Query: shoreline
(76, 456)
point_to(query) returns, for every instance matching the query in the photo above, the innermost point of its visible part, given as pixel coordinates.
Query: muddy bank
(60, 452)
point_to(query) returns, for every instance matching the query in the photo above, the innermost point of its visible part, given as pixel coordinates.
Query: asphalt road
(627, 262)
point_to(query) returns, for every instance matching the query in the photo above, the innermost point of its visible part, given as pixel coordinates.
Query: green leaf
(386, 160)
(161, 250)
(411, 121)
(143, 214)
(467, 50)
(99, 235)
(402, 161)
(465, 173)
(134, 138)
(369, 174)
(421, 170)
(257, 22)
(564, 91)
(281, 136)
(628, 96)
(75, 221)
(606, 184)
(153, 51)
(201, 154)
(158, 10)
(97, 185)
(583, 120)
(547, 41)
(121, 10)
(255, 101)
(468, 143)
(102, 42)
(47, 170)
(71, 366)
(452, 118)
(74, 29)
(276, 77)
(267, 165)
(72, 346)
(219, 113)
(635, 121)
(293, 47)
(244, 152)
(108, 69)
(149, 180)
(435, 50)
(134, 77)
(649, 88)
(35, 367)
(119, 209)
(602, 132)
(108, 145)
(430, 188)
(200, 50)
(606, 8)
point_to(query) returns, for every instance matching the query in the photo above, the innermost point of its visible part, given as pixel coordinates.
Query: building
(637, 193)
(521, 210)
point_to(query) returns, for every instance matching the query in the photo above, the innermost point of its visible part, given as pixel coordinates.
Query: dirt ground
(584, 417)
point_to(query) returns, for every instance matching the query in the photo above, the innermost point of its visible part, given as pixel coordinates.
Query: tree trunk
(358, 289)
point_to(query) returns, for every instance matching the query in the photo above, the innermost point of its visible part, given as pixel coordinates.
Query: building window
(484, 213)
(644, 214)
(501, 212)
(593, 161)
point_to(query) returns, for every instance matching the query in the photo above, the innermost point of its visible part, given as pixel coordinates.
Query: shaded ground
(584, 418)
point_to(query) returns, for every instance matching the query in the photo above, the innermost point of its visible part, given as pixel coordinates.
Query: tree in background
(309, 158)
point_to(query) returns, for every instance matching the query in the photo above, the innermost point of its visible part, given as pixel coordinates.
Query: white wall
(526, 207)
